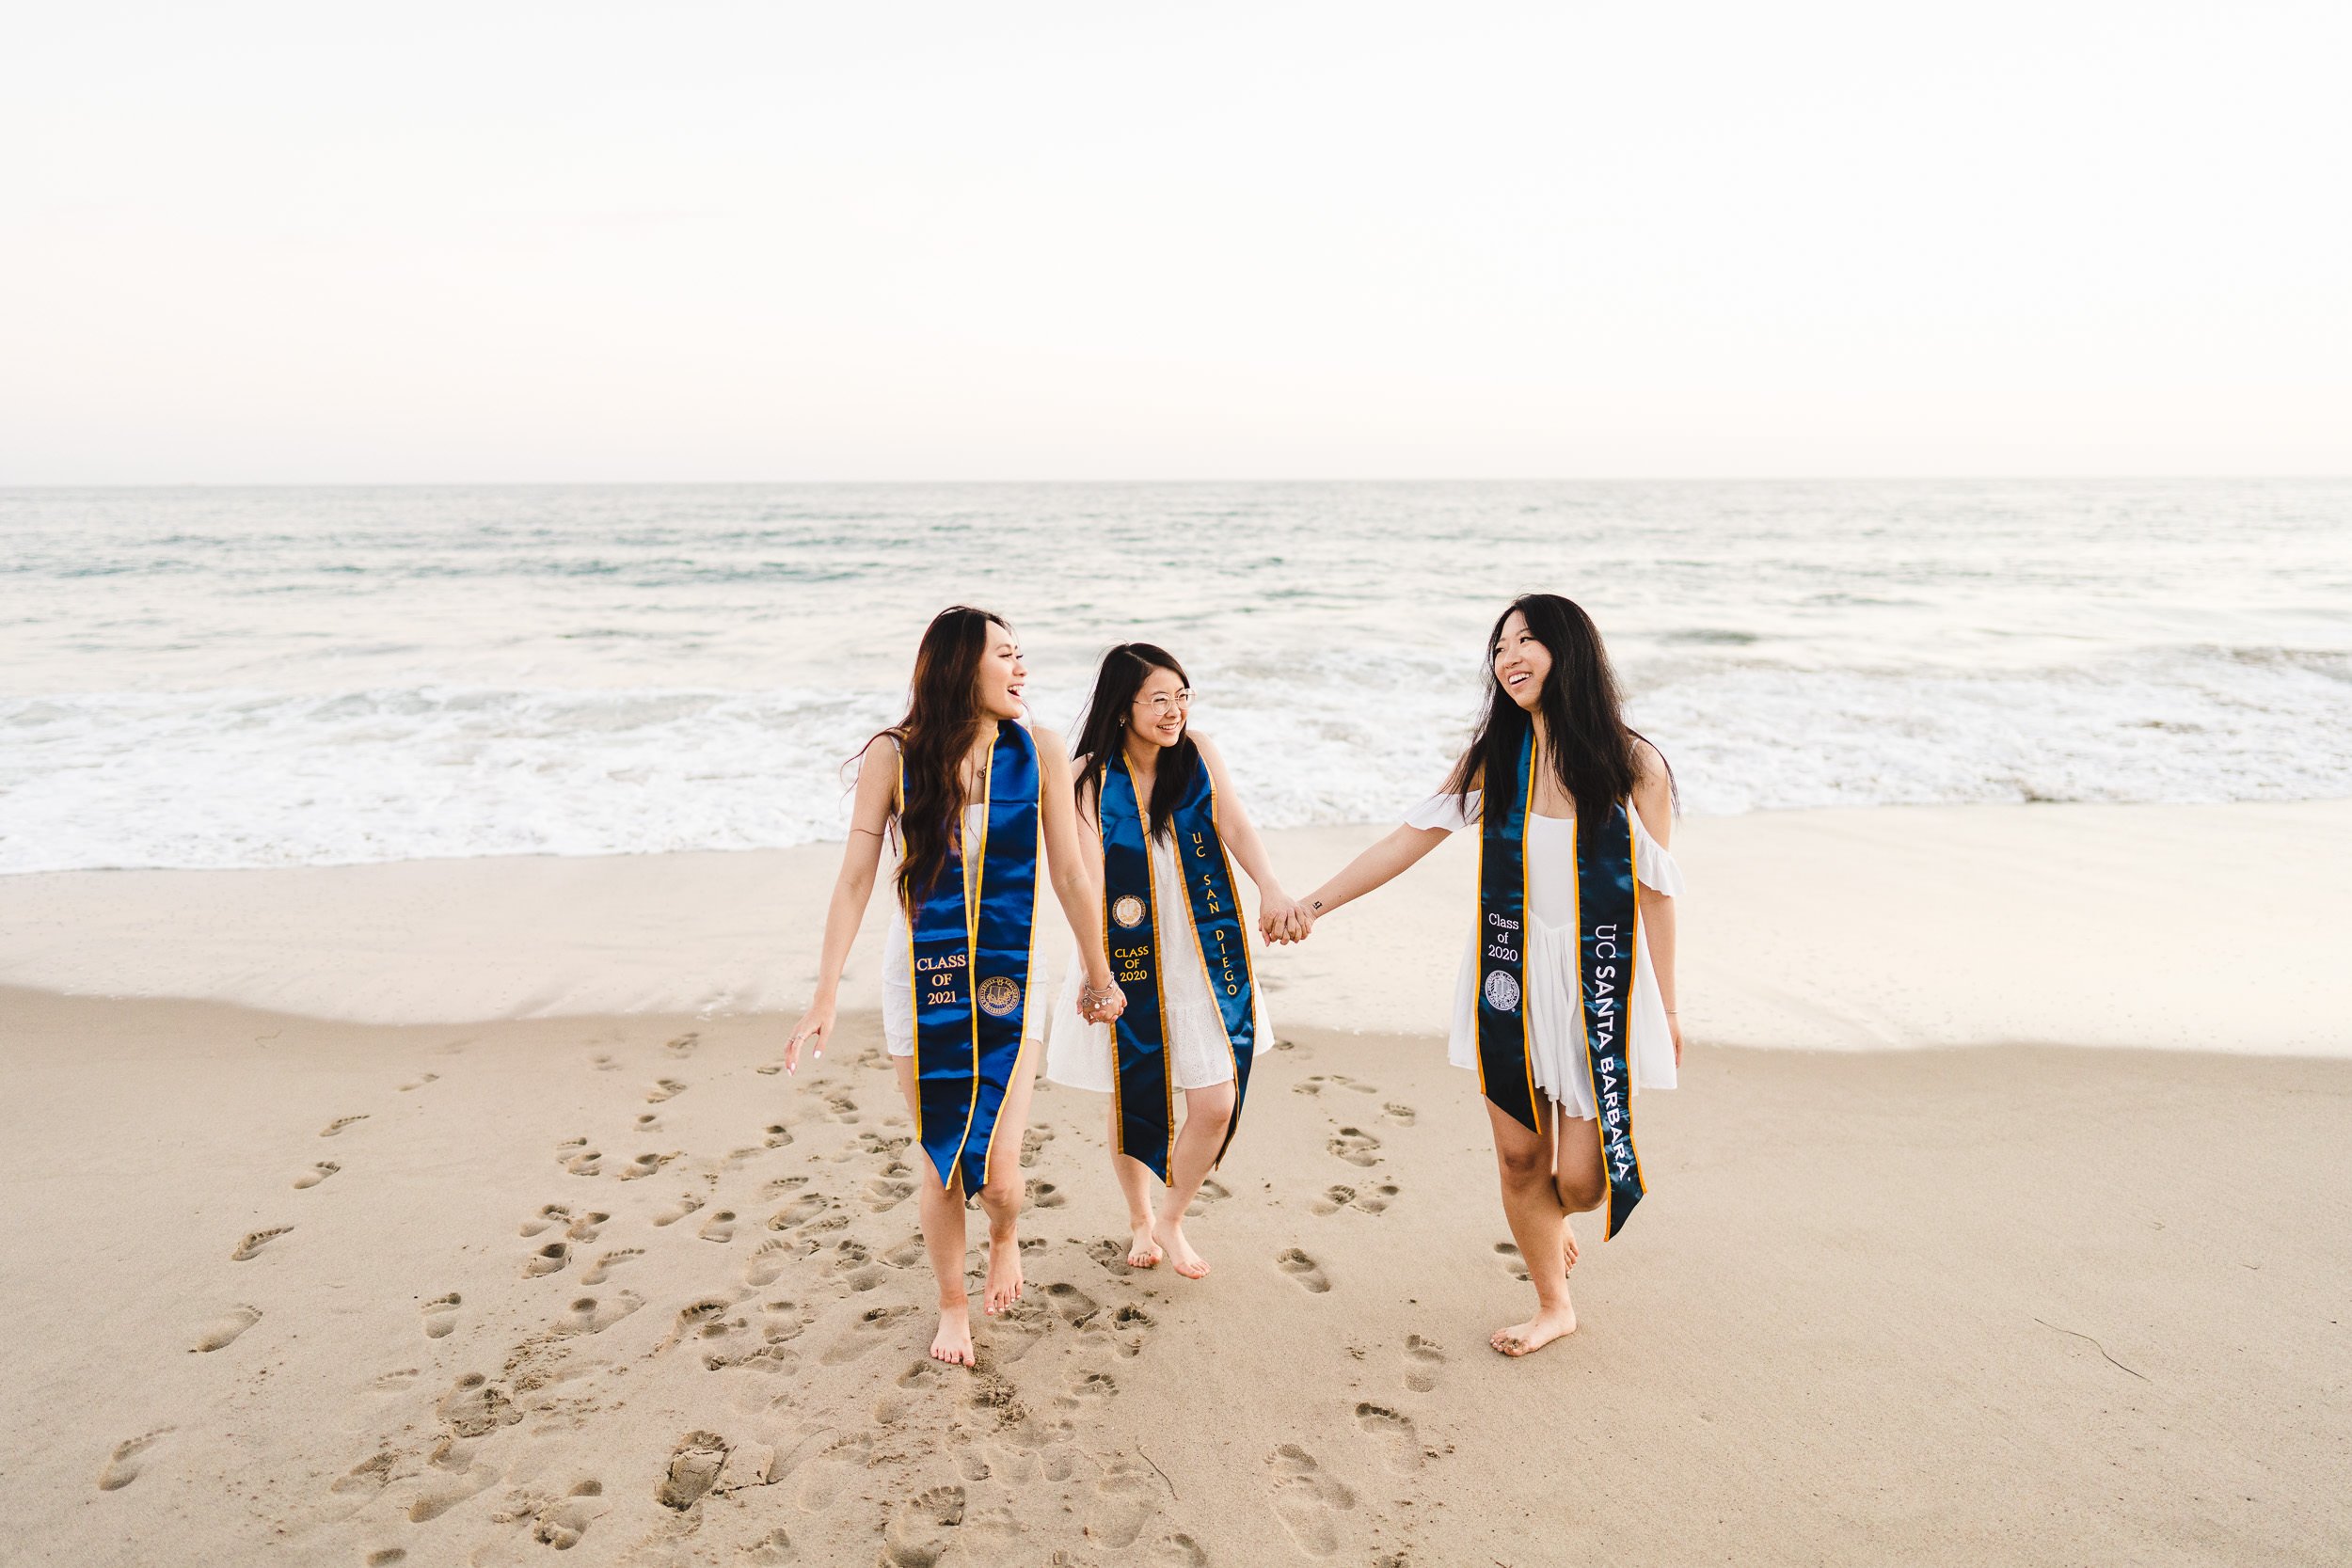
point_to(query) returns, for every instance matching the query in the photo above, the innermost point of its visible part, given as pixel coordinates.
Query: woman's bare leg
(942, 1212)
(1207, 1113)
(1577, 1177)
(1531, 1205)
(1000, 1195)
(1135, 1185)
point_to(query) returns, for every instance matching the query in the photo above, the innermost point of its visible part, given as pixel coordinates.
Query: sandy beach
(414, 1213)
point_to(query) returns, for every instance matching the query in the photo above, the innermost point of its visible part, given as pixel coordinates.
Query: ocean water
(217, 677)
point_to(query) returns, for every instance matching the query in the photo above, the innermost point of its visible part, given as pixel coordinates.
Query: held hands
(1101, 1004)
(814, 1027)
(1284, 920)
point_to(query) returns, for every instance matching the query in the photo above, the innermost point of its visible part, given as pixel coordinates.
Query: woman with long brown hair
(1566, 1000)
(1162, 826)
(971, 794)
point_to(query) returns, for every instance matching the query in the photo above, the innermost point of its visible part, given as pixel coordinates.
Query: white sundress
(897, 977)
(1079, 1054)
(1555, 1015)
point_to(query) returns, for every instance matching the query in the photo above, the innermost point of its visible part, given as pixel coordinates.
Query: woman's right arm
(1373, 868)
(853, 889)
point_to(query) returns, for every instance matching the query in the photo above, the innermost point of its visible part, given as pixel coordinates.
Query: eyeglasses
(1160, 703)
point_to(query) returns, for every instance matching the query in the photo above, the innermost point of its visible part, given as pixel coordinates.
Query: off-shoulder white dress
(1555, 1016)
(1079, 1054)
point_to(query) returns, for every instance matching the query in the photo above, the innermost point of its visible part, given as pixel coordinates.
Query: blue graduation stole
(967, 1032)
(1143, 1082)
(1607, 905)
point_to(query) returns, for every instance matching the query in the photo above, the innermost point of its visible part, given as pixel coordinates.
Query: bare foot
(953, 1342)
(1549, 1323)
(1142, 1251)
(1004, 1273)
(1171, 1234)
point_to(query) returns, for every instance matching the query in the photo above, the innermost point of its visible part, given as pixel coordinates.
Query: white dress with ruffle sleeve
(1555, 1016)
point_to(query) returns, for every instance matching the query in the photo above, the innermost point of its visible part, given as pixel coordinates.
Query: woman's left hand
(1674, 1027)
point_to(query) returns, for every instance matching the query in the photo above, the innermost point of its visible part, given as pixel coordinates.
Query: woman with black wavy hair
(1164, 826)
(1566, 1000)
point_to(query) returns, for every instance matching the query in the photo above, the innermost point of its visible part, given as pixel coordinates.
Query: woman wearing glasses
(1166, 827)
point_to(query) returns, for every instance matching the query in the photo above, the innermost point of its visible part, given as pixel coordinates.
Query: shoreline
(2181, 927)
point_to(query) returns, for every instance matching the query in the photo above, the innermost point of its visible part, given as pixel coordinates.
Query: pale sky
(544, 242)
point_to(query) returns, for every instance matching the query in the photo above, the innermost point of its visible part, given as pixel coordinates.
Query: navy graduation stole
(1606, 906)
(967, 1033)
(1142, 1079)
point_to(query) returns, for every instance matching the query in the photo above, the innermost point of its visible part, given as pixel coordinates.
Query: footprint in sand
(1403, 1116)
(604, 1063)
(251, 1247)
(841, 1108)
(561, 1523)
(767, 1265)
(1180, 1551)
(1321, 1081)
(1305, 1270)
(906, 1253)
(547, 1219)
(1422, 1360)
(687, 1203)
(475, 1407)
(1334, 1199)
(1355, 1146)
(601, 1269)
(1071, 1305)
(921, 1528)
(1126, 1328)
(1375, 1200)
(440, 1316)
(778, 1186)
(385, 1556)
(122, 1465)
(1033, 1143)
(369, 1476)
(1091, 1388)
(340, 1123)
(1212, 1191)
(395, 1380)
(585, 1227)
(469, 1483)
(315, 1174)
(428, 1077)
(718, 1227)
(643, 1166)
(1124, 1501)
(885, 1193)
(876, 1326)
(1513, 1264)
(798, 1212)
(586, 1163)
(827, 1477)
(773, 1548)
(777, 1134)
(665, 1088)
(693, 1319)
(222, 1331)
(684, 1045)
(594, 1314)
(1043, 1195)
(1306, 1500)
(694, 1465)
(1395, 1432)
(550, 1259)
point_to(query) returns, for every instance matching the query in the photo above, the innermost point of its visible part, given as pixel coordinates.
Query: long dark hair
(943, 720)
(1102, 728)
(1592, 749)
